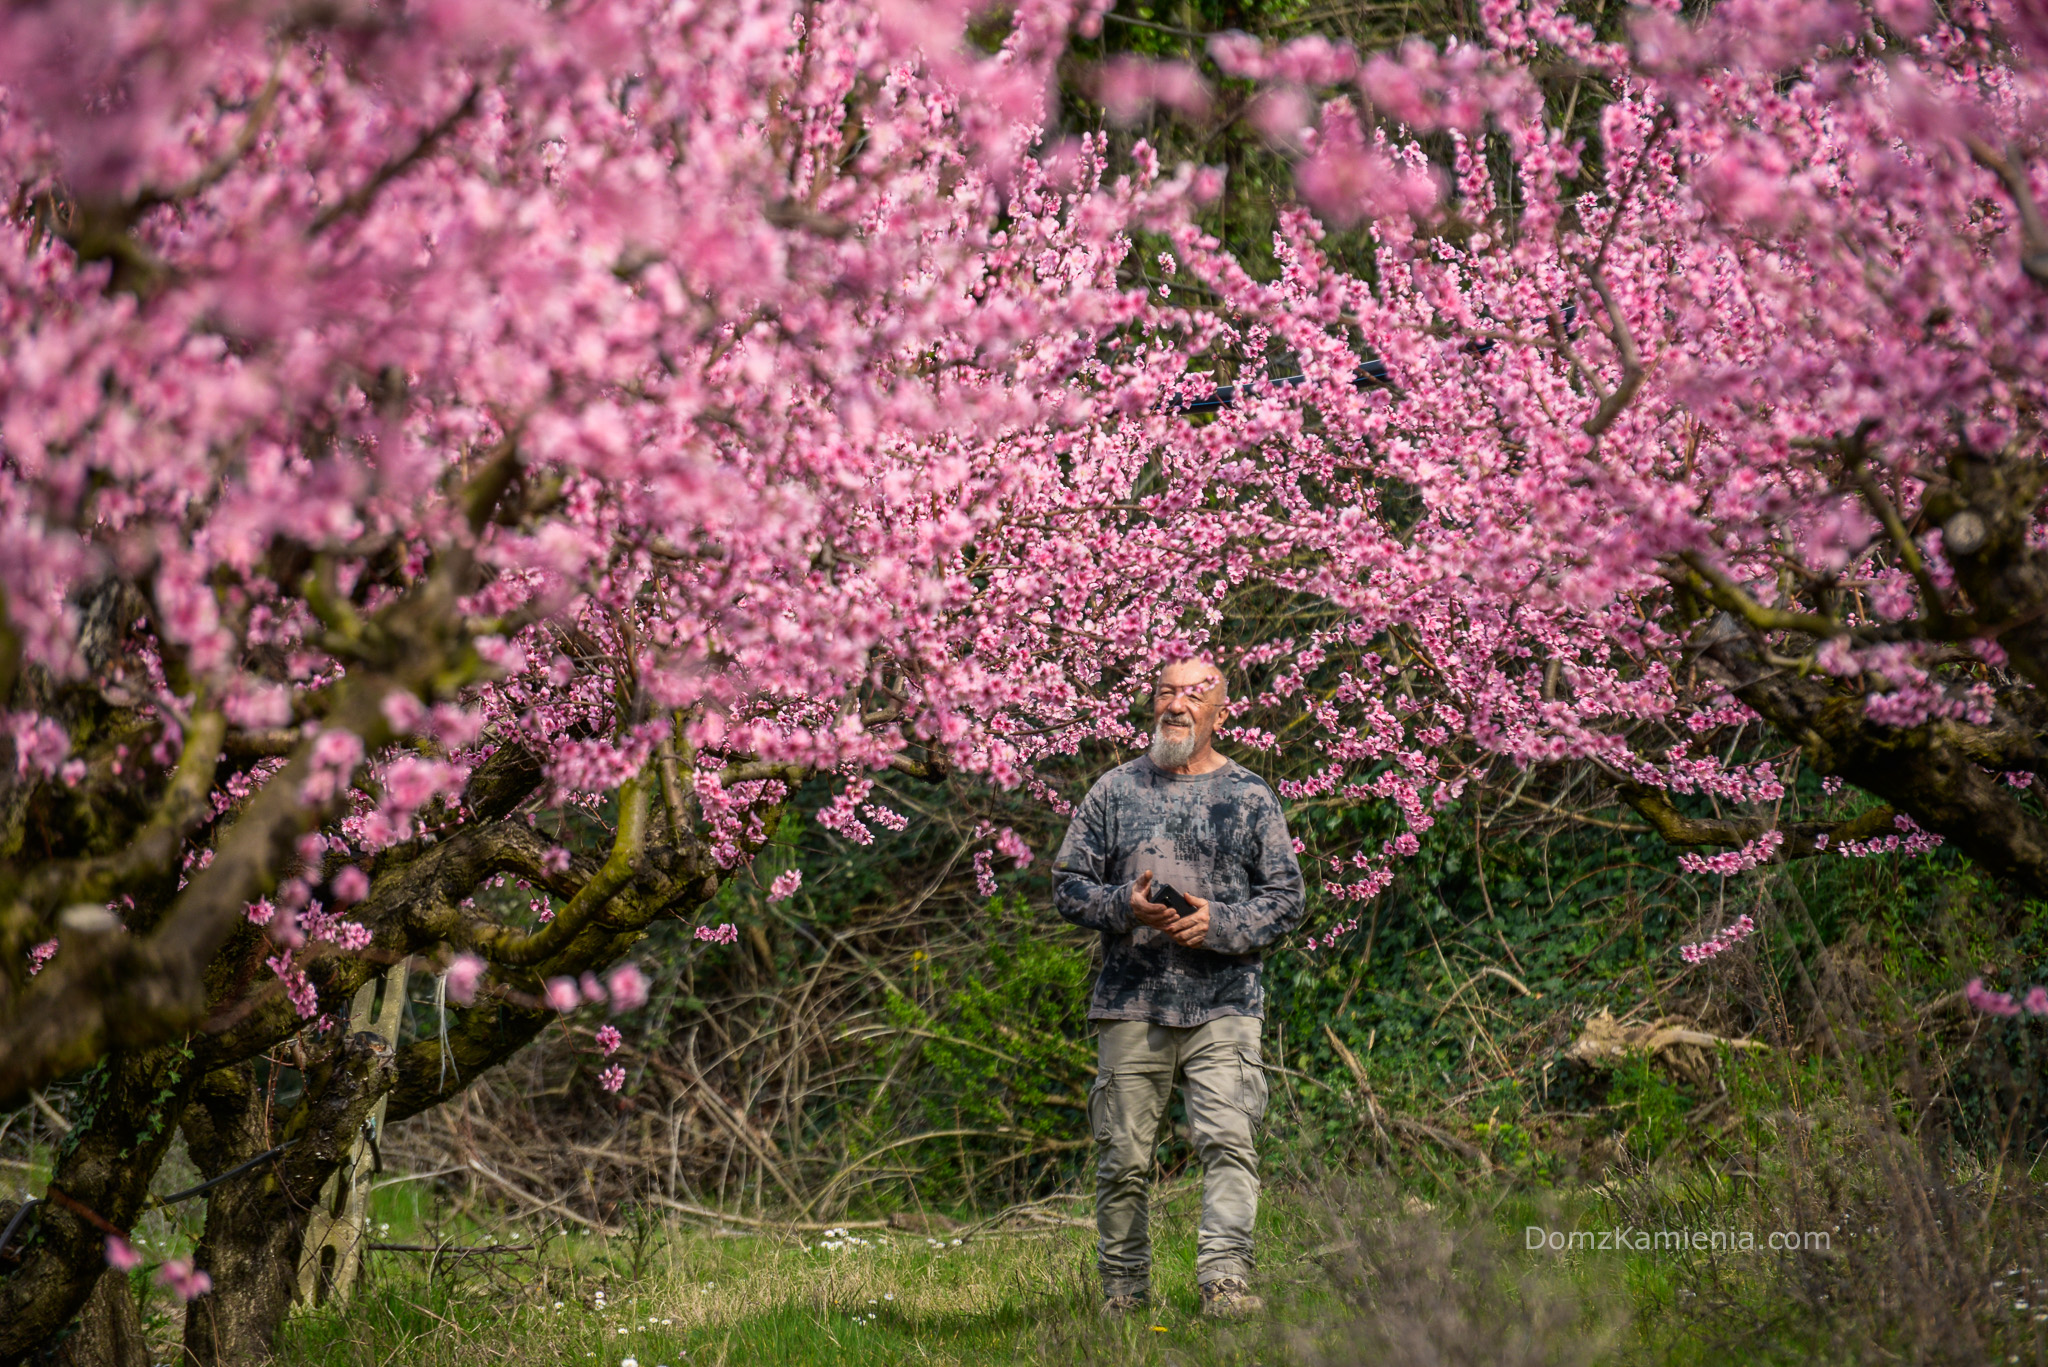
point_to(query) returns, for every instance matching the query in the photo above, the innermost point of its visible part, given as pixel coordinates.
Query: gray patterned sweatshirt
(1218, 835)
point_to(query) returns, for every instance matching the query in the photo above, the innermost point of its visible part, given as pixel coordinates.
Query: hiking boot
(1229, 1298)
(1125, 1303)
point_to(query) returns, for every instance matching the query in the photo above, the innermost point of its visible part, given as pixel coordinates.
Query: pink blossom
(40, 743)
(1730, 935)
(1758, 851)
(349, 884)
(177, 1276)
(1990, 1003)
(465, 975)
(1012, 846)
(298, 988)
(562, 994)
(121, 1255)
(628, 987)
(556, 860)
(404, 711)
(785, 885)
(1127, 88)
(612, 1078)
(609, 1039)
(40, 954)
(726, 934)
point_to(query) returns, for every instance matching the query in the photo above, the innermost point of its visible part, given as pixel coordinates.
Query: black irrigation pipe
(14, 1224)
(7, 1235)
(236, 1171)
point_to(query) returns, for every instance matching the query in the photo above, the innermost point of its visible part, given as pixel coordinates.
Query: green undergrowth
(864, 1296)
(1671, 1265)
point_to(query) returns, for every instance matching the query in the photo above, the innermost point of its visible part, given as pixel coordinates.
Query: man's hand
(1157, 915)
(1190, 931)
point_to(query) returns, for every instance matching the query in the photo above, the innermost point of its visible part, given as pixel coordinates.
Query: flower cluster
(1757, 851)
(625, 988)
(859, 442)
(1730, 935)
(1981, 998)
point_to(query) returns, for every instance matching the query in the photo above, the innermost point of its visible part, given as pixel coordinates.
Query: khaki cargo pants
(1224, 1091)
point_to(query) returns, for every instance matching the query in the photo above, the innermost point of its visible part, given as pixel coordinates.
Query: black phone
(1171, 896)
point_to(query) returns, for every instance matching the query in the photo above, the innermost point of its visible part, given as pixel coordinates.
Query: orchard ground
(1355, 1270)
(871, 1297)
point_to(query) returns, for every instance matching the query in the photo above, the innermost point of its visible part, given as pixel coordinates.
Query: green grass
(705, 1297)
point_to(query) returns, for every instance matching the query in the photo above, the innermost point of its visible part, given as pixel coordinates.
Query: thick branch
(1934, 772)
(1717, 588)
(113, 991)
(502, 944)
(153, 849)
(1802, 838)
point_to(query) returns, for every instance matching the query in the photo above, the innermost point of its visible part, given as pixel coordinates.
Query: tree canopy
(419, 417)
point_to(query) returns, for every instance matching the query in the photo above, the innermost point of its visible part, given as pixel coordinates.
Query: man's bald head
(1184, 673)
(1189, 699)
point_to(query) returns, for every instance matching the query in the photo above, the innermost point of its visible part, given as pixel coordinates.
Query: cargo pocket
(1251, 1085)
(1100, 1093)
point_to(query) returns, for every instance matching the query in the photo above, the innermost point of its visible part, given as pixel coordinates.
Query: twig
(50, 1113)
(2033, 230)
(405, 1177)
(483, 1170)
(359, 199)
(724, 1217)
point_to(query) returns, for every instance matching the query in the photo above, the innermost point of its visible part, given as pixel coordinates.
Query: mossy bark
(130, 1109)
(256, 1223)
(108, 1331)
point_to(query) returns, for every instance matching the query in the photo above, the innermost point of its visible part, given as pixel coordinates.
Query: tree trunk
(256, 1223)
(129, 1111)
(109, 1329)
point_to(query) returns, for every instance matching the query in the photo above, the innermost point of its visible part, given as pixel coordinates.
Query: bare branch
(2033, 229)
(360, 198)
(1632, 373)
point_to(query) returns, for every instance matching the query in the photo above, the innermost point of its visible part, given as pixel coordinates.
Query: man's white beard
(1172, 754)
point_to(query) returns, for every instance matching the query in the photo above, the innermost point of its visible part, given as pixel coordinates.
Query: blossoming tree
(421, 416)
(1691, 452)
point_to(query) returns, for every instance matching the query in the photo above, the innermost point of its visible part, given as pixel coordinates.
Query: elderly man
(1179, 993)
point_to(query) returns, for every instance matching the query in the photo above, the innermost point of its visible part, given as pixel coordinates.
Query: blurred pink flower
(121, 1255)
(465, 974)
(178, 1277)
(628, 988)
(351, 884)
(1990, 1003)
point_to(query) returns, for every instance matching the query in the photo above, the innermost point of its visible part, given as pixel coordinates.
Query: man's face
(1187, 704)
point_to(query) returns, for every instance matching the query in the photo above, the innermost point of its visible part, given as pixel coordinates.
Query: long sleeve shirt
(1219, 836)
